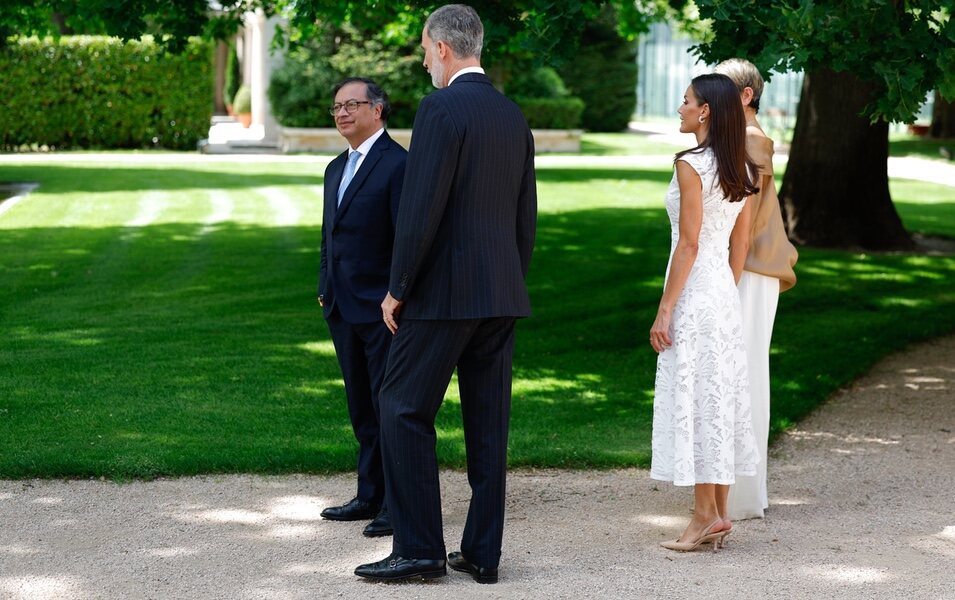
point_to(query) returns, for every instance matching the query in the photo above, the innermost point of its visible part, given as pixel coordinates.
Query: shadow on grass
(162, 351)
(629, 143)
(587, 174)
(94, 178)
(933, 219)
(922, 148)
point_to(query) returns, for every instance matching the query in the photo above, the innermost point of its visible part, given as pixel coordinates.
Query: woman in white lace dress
(702, 428)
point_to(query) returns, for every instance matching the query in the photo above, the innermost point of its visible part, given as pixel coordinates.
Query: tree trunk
(836, 189)
(943, 118)
(59, 19)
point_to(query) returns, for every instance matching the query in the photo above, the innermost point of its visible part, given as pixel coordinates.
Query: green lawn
(921, 147)
(159, 319)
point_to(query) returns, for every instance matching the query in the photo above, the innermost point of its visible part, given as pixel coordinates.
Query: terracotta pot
(245, 119)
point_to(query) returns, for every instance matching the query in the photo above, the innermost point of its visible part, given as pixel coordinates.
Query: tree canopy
(541, 29)
(906, 48)
(171, 22)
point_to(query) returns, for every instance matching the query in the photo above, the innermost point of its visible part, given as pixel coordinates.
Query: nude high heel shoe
(726, 531)
(722, 539)
(706, 537)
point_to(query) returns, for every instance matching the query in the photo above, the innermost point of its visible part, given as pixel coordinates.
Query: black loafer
(396, 568)
(354, 510)
(380, 526)
(457, 562)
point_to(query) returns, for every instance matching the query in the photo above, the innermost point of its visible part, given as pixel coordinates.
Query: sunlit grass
(622, 143)
(192, 343)
(925, 208)
(921, 147)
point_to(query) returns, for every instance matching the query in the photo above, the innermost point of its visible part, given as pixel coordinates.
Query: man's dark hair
(375, 94)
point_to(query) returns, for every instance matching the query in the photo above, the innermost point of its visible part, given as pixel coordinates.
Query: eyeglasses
(350, 106)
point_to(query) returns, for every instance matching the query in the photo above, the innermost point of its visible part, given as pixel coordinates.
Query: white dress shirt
(365, 147)
(466, 70)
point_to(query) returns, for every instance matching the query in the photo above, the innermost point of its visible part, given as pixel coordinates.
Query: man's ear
(442, 48)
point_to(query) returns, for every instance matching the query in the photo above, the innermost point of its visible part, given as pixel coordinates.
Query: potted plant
(242, 105)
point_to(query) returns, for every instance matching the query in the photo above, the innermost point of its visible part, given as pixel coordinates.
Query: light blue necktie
(348, 175)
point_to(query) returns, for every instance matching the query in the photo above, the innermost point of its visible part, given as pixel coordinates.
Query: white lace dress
(702, 427)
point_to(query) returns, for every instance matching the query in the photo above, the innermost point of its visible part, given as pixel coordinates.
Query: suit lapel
(367, 166)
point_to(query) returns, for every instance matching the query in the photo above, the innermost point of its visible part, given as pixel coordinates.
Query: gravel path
(861, 507)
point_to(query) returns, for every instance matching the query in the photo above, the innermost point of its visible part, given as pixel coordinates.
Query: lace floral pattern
(702, 426)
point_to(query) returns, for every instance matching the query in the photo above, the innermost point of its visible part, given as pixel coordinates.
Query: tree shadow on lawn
(113, 178)
(930, 219)
(171, 352)
(590, 174)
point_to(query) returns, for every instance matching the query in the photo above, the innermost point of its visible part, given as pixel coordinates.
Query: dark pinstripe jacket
(468, 211)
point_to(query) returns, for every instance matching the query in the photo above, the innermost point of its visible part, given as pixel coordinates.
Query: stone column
(262, 61)
(221, 63)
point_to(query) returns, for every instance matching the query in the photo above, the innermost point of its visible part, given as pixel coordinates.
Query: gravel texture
(861, 507)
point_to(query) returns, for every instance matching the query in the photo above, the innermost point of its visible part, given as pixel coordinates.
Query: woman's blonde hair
(745, 75)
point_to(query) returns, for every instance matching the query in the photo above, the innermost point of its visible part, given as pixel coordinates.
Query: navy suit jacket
(468, 213)
(357, 237)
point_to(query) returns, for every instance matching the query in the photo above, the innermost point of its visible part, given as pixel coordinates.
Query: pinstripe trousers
(424, 354)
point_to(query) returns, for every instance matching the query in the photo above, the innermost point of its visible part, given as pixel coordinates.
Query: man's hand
(389, 311)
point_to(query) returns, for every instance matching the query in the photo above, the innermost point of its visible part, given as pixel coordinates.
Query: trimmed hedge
(552, 113)
(603, 73)
(542, 82)
(101, 92)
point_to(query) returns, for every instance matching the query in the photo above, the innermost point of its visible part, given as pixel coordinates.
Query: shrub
(603, 73)
(99, 92)
(544, 99)
(301, 90)
(543, 82)
(552, 113)
(242, 103)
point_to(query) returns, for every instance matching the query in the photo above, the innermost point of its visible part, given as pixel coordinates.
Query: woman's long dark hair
(726, 135)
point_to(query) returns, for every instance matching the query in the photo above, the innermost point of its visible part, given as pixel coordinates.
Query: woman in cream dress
(767, 270)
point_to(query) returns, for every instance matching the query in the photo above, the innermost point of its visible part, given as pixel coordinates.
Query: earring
(702, 118)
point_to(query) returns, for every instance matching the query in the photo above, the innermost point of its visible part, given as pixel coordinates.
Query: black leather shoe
(380, 526)
(355, 510)
(457, 562)
(396, 568)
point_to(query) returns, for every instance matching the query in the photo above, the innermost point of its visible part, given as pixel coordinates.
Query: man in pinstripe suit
(463, 244)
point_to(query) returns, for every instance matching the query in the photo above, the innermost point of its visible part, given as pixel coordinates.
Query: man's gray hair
(458, 26)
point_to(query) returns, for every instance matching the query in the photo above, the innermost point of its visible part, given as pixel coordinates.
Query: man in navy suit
(362, 190)
(463, 244)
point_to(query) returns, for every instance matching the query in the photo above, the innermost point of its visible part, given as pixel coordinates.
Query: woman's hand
(660, 331)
